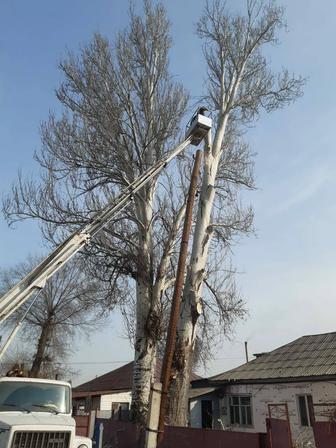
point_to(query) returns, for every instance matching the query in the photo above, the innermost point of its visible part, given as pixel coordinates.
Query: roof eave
(79, 394)
(299, 379)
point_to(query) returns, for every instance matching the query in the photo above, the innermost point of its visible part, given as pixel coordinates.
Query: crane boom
(37, 278)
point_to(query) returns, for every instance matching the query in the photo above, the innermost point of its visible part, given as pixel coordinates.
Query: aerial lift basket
(198, 126)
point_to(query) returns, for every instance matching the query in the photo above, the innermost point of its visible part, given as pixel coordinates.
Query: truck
(36, 413)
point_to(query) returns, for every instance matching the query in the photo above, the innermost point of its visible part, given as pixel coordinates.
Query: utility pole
(175, 307)
(153, 416)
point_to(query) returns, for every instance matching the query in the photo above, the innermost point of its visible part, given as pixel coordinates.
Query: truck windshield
(34, 397)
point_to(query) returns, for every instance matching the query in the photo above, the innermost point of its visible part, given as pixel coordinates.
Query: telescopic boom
(36, 279)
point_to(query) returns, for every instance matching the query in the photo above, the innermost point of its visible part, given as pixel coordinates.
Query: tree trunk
(41, 348)
(191, 307)
(145, 348)
(147, 322)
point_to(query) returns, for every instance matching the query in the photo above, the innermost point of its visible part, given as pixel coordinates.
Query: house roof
(118, 379)
(312, 356)
(200, 391)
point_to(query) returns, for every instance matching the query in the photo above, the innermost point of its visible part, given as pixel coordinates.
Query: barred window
(240, 410)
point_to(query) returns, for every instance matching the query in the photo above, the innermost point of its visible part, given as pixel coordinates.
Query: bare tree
(68, 304)
(240, 86)
(122, 112)
(18, 360)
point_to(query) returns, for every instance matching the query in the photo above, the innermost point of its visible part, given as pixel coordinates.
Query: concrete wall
(118, 397)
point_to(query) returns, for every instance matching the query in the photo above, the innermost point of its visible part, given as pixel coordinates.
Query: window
(34, 397)
(303, 406)
(119, 410)
(240, 410)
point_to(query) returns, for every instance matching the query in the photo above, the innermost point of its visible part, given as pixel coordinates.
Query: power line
(108, 362)
(72, 363)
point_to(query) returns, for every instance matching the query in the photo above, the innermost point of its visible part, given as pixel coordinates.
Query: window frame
(242, 410)
(300, 416)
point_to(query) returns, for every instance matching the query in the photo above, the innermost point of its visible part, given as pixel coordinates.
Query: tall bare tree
(240, 85)
(69, 303)
(122, 112)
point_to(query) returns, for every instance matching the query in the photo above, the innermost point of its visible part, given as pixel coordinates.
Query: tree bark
(145, 346)
(41, 349)
(146, 317)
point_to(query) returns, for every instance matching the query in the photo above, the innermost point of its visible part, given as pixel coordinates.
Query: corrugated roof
(308, 356)
(118, 379)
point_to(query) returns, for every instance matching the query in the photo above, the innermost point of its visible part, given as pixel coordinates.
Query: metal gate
(323, 420)
(278, 426)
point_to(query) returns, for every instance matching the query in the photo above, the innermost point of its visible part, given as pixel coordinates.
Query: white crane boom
(36, 279)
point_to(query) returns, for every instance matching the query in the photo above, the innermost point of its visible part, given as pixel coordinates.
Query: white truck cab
(36, 413)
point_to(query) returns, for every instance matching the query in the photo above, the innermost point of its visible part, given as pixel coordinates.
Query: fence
(123, 434)
(119, 434)
(82, 425)
(323, 420)
(211, 438)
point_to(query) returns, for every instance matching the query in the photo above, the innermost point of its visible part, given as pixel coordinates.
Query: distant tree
(18, 359)
(240, 84)
(69, 304)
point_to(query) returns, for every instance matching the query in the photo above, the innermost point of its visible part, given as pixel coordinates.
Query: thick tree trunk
(145, 349)
(147, 323)
(191, 302)
(178, 403)
(41, 349)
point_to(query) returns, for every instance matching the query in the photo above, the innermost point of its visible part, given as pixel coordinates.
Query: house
(110, 394)
(292, 378)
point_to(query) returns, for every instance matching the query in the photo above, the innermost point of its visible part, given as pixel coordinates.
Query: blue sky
(287, 270)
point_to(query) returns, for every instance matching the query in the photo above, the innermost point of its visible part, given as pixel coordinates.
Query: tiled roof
(118, 379)
(308, 356)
